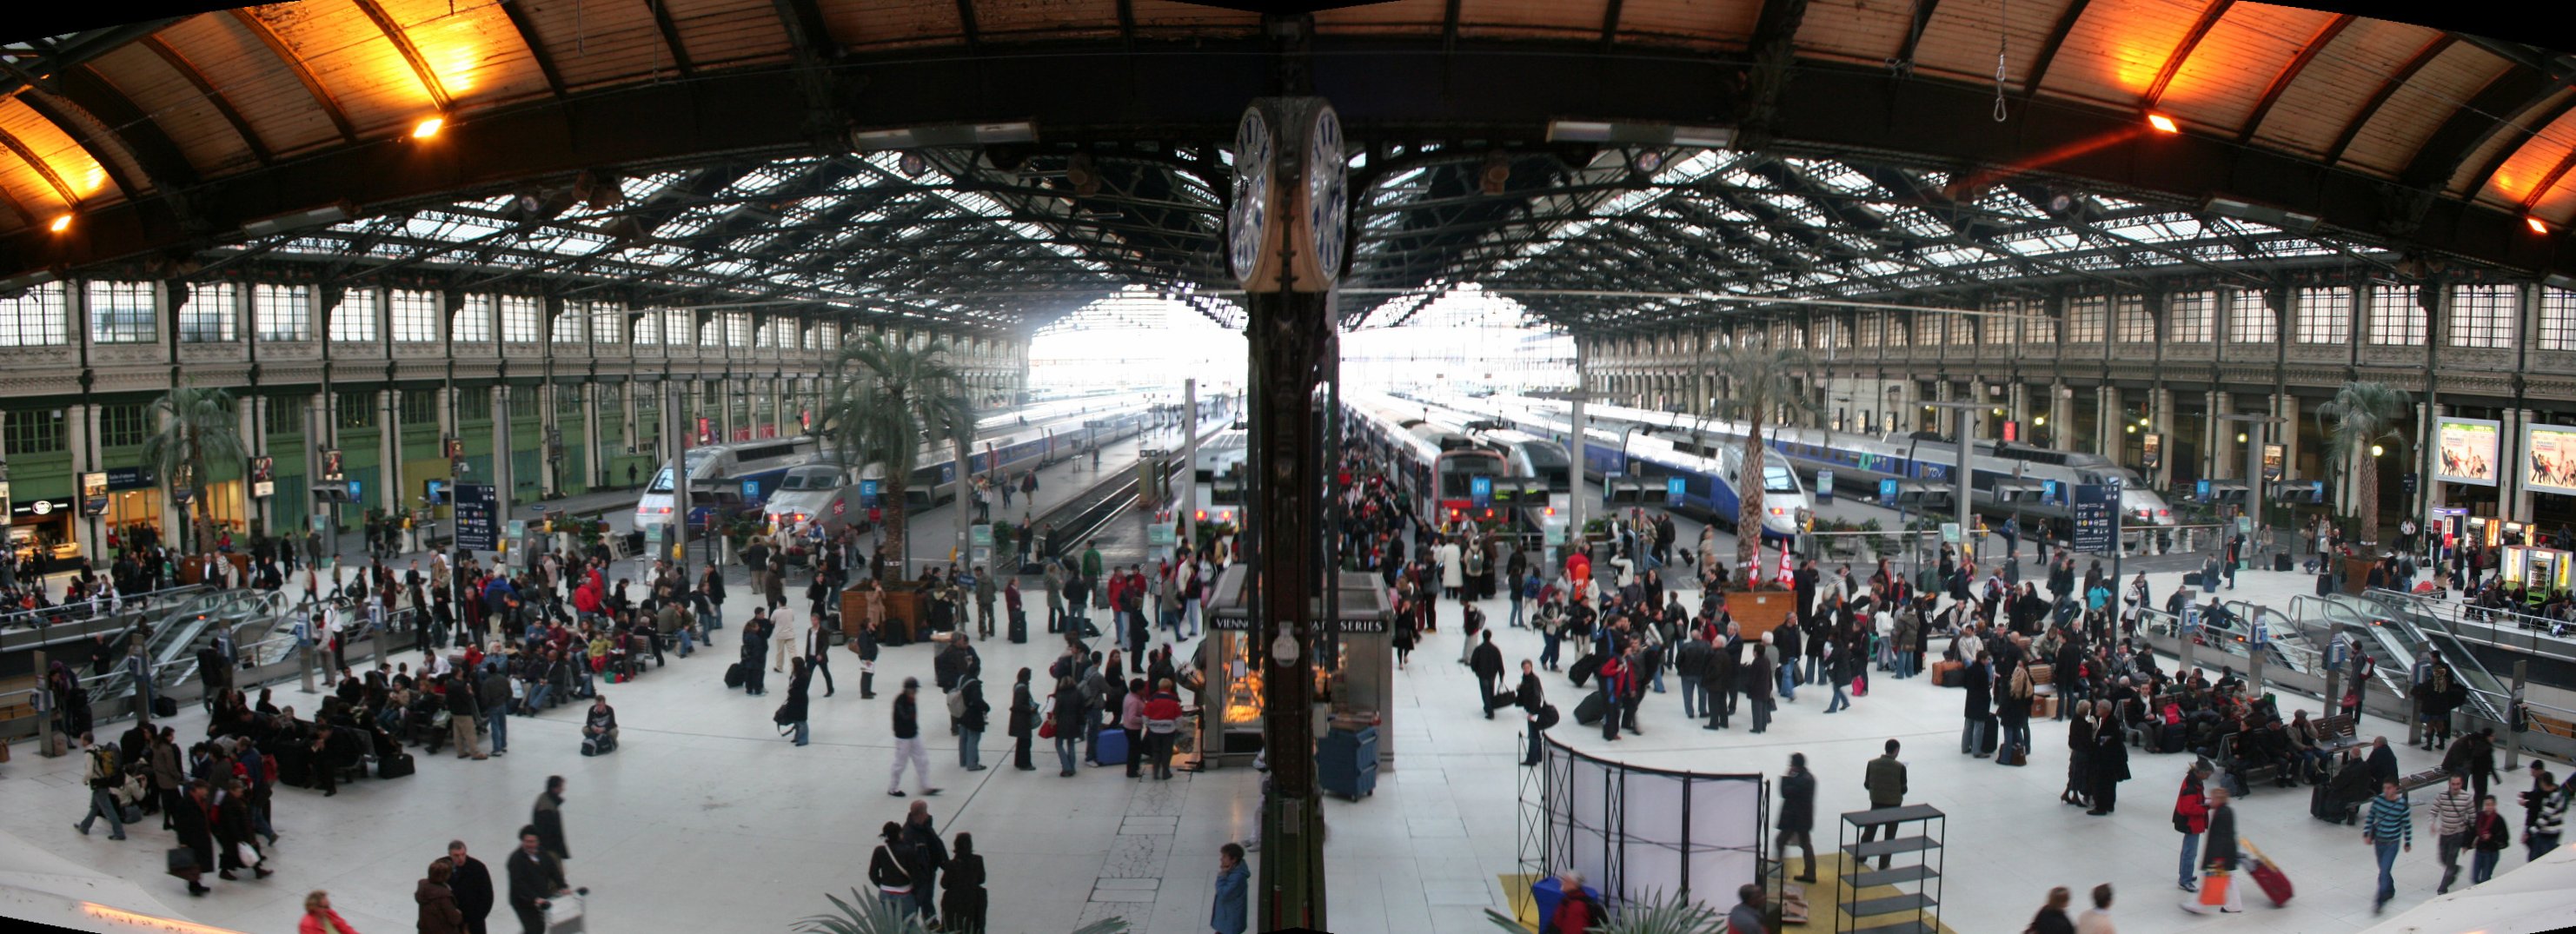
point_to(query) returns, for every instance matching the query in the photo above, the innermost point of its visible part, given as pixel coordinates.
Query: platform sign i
(1824, 486)
(1887, 492)
(1674, 489)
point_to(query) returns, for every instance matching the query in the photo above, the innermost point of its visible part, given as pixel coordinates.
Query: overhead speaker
(1497, 175)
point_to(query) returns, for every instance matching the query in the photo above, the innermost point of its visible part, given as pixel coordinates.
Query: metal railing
(2502, 627)
(73, 613)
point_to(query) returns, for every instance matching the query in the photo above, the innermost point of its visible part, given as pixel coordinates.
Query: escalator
(2405, 626)
(178, 632)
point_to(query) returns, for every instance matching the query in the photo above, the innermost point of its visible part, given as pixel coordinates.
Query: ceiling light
(428, 126)
(2537, 225)
(61, 223)
(1650, 134)
(2163, 123)
(2282, 218)
(297, 220)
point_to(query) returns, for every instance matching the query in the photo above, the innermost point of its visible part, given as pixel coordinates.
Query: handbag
(2213, 888)
(1046, 730)
(183, 863)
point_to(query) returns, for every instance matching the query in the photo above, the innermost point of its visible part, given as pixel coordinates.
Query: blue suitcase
(1109, 746)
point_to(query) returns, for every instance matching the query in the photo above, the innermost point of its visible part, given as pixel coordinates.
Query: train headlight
(1779, 511)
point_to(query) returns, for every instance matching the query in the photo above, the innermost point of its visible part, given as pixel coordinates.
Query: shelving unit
(1913, 848)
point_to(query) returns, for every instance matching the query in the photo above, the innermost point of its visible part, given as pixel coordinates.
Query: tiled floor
(706, 820)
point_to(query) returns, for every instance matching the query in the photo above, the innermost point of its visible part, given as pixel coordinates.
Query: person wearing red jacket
(1617, 683)
(2191, 818)
(1162, 726)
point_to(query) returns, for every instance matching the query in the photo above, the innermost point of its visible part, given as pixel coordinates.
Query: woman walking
(792, 712)
(2052, 918)
(2079, 756)
(886, 870)
(439, 913)
(1233, 891)
(961, 890)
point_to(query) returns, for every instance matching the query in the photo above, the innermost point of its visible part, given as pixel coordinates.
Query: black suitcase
(733, 675)
(2281, 562)
(1547, 717)
(397, 765)
(1986, 742)
(1019, 627)
(2191, 578)
(1584, 668)
(165, 706)
(1590, 710)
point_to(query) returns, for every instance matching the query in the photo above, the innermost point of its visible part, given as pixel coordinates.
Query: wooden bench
(2232, 758)
(2423, 779)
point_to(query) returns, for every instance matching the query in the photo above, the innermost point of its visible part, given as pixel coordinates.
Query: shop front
(132, 511)
(42, 534)
(1354, 670)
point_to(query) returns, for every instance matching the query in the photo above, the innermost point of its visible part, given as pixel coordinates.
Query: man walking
(2389, 829)
(103, 774)
(907, 741)
(1532, 699)
(2221, 857)
(1691, 662)
(2453, 809)
(1885, 781)
(1798, 813)
(2191, 817)
(1488, 666)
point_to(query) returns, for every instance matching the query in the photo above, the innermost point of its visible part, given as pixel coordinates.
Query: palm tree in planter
(198, 428)
(1760, 379)
(2362, 414)
(884, 399)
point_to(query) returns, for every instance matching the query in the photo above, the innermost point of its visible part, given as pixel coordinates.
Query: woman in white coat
(1453, 570)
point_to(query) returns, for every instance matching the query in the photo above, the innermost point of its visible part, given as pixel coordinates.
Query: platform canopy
(994, 164)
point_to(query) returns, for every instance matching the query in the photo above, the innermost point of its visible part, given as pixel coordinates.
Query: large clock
(1251, 218)
(1327, 207)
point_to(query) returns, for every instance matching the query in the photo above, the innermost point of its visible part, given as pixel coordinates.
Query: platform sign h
(1481, 489)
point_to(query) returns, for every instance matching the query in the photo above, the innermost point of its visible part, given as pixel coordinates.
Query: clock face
(1327, 189)
(1248, 221)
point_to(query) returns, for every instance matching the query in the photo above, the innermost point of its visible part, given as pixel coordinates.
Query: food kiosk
(2544, 569)
(1354, 682)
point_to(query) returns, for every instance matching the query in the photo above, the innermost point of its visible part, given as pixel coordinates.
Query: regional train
(1711, 477)
(723, 478)
(1436, 463)
(2004, 478)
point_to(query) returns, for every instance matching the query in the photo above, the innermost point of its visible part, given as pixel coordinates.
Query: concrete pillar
(80, 424)
(2061, 417)
(2517, 503)
(2160, 413)
(2286, 434)
(389, 449)
(2017, 408)
(549, 473)
(504, 476)
(2226, 459)
(2109, 422)
(2424, 440)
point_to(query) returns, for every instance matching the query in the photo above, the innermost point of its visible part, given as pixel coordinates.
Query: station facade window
(2482, 315)
(566, 328)
(283, 312)
(2084, 322)
(35, 431)
(2251, 318)
(124, 424)
(1868, 330)
(648, 329)
(419, 406)
(36, 317)
(2557, 320)
(286, 413)
(356, 409)
(208, 316)
(354, 320)
(607, 322)
(519, 314)
(2323, 316)
(2137, 322)
(123, 313)
(2396, 316)
(473, 321)
(415, 316)
(2190, 317)
(2038, 327)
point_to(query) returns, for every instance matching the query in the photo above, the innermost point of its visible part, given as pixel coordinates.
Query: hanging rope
(2003, 19)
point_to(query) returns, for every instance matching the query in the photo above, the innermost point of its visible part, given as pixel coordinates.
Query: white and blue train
(2003, 479)
(1710, 478)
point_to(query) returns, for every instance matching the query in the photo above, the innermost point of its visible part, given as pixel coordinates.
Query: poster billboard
(2466, 451)
(2549, 459)
(2151, 451)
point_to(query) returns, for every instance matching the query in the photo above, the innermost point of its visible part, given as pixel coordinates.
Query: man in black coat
(1978, 677)
(1487, 663)
(928, 857)
(1797, 814)
(196, 832)
(755, 643)
(1721, 678)
(535, 877)
(1531, 699)
(472, 883)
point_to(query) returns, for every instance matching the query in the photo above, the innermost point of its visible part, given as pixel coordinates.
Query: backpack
(1529, 587)
(109, 776)
(957, 701)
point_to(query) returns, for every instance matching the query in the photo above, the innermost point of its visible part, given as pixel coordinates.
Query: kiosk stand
(1354, 673)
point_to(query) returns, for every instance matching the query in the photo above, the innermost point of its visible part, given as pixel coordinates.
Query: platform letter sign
(1824, 486)
(1887, 493)
(2200, 491)
(1481, 489)
(2048, 490)
(2093, 514)
(475, 505)
(1674, 489)
(867, 493)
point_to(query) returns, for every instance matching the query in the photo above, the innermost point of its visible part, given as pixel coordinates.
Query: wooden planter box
(1759, 611)
(903, 612)
(2356, 574)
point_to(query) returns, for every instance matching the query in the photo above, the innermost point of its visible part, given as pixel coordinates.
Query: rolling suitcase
(2281, 562)
(1589, 712)
(396, 765)
(1584, 668)
(733, 675)
(1109, 746)
(2276, 885)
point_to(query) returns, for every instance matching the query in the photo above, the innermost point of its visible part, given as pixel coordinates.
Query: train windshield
(812, 479)
(661, 481)
(1549, 463)
(1776, 478)
(1455, 471)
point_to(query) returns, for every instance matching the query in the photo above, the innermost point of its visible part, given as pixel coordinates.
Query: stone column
(2109, 422)
(2161, 420)
(2226, 459)
(2061, 416)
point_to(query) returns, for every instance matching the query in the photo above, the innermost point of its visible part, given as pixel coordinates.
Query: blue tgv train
(1709, 490)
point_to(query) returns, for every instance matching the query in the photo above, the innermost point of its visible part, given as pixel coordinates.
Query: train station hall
(1782, 427)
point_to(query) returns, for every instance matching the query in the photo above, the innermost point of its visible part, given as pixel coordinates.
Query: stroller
(2339, 800)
